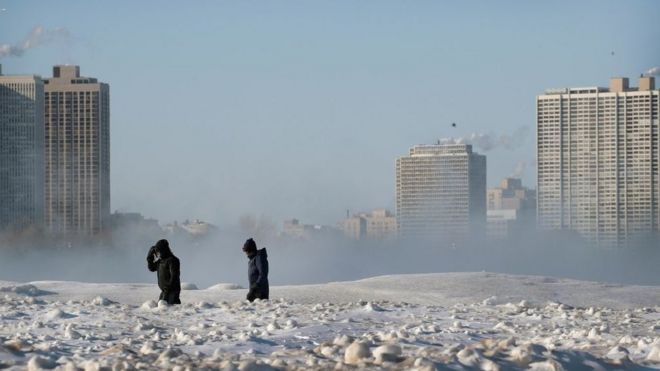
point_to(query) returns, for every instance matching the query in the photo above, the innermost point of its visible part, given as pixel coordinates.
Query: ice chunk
(101, 301)
(39, 363)
(356, 352)
(387, 353)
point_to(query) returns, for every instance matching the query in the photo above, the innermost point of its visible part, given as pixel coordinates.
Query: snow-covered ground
(431, 321)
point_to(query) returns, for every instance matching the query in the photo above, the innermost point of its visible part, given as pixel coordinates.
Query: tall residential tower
(77, 153)
(598, 160)
(441, 192)
(21, 151)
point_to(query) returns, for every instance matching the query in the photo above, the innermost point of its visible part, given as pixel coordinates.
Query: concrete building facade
(511, 209)
(598, 160)
(441, 192)
(77, 143)
(379, 224)
(21, 151)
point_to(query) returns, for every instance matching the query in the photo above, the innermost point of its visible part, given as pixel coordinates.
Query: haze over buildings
(598, 160)
(441, 192)
(511, 209)
(21, 151)
(77, 145)
(378, 224)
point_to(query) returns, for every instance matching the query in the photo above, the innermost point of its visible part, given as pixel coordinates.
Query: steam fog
(38, 36)
(218, 258)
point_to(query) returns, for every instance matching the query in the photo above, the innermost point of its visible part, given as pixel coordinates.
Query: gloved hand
(251, 296)
(151, 255)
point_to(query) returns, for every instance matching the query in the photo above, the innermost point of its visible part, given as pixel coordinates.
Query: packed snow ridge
(458, 321)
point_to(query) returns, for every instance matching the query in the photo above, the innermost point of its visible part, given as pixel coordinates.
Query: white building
(21, 151)
(441, 192)
(598, 160)
(77, 153)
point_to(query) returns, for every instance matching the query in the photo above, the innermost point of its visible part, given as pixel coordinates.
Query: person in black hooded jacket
(161, 260)
(257, 271)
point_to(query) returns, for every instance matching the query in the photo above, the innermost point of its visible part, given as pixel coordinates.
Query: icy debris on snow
(372, 307)
(27, 290)
(148, 305)
(188, 286)
(162, 304)
(311, 334)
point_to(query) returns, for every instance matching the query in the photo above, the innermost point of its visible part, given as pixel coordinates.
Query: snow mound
(225, 286)
(27, 290)
(188, 286)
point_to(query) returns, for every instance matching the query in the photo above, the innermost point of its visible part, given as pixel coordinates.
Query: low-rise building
(379, 224)
(511, 209)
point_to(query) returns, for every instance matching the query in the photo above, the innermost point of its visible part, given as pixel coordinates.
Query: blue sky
(300, 108)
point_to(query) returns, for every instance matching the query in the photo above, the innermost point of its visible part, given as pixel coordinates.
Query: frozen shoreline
(424, 289)
(422, 321)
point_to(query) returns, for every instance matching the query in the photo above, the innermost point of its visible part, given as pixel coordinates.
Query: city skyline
(306, 116)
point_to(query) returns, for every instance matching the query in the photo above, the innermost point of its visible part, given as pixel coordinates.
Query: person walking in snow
(257, 271)
(161, 260)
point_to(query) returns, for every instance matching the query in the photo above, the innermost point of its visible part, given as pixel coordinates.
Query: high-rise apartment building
(598, 160)
(441, 192)
(21, 151)
(77, 153)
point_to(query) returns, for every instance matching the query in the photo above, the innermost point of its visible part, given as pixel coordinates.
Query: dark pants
(259, 293)
(171, 297)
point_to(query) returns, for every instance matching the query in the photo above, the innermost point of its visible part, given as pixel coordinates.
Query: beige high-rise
(77, 153)
(441, 192)
(598, 161)
(21, 151)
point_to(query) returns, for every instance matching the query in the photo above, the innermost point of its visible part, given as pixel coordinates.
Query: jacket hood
(262, 252)
(163, 248)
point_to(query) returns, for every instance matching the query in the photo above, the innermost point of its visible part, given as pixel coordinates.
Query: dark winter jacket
(168, 270)
(258, 275)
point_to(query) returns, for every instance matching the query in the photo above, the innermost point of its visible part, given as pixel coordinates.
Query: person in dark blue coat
(257, 271)
(161, 260)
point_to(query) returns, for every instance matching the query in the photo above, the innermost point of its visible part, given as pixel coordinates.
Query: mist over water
(219, 259)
